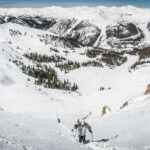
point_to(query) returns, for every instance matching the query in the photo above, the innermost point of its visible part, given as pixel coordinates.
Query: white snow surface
(28, 112)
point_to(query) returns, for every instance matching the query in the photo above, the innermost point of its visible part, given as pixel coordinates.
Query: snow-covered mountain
(64, 62)
(113, 27)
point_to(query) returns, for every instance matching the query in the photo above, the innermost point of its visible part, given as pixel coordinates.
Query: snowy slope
(29, 112)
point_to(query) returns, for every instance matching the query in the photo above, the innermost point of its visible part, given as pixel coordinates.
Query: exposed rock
(105, 110)
(35, 22)
(124, 105)
(62, 26)
(85, 33)
(123, 34)
(121, 31)
(147, 90)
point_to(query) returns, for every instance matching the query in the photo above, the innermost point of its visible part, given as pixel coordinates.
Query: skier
(81, 128)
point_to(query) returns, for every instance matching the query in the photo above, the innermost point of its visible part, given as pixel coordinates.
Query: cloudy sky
(69, 3)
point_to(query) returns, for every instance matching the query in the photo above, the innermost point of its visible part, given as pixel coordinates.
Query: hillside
(65, 62)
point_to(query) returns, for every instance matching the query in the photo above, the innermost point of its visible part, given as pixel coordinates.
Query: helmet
(80, 121)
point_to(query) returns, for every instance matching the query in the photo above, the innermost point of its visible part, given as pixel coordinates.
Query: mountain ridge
(98, 28)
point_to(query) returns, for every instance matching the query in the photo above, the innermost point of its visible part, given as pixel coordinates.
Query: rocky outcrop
(121, 31)
(85, 33)
(147, 90)
(62, 26)
(34, 22)
(105, 110)
(124, 105)
(123, 34)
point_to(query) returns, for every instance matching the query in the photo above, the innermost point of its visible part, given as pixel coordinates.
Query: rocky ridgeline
(124, 33)
(74, 33)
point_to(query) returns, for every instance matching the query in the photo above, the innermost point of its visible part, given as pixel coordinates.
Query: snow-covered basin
(31, 121)
(29, 112)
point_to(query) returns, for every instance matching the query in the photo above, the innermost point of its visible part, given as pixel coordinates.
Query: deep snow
(28, 112)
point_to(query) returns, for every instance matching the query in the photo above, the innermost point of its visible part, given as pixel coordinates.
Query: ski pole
(92, 136)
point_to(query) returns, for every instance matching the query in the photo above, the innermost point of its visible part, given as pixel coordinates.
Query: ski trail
(105, 146)
(65, 132)
(13, 145)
